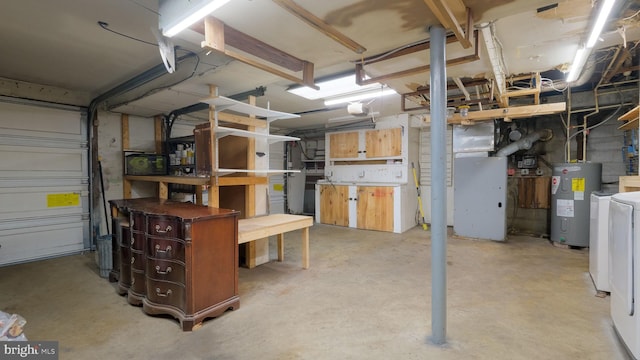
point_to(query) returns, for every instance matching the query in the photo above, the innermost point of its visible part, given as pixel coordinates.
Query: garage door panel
(19, 137)
(44, 181)
(40, 242)
(42, 119)
(43, 159)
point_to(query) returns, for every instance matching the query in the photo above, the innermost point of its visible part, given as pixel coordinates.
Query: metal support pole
(438, 92)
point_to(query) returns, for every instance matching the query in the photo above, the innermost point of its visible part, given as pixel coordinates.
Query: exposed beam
(320, 25)
(361, 76)
(442, 11)
(422, 45)
(458, 82)
(217, 36)
(515, 112)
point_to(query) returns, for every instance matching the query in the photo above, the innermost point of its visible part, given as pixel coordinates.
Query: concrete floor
(366, 296)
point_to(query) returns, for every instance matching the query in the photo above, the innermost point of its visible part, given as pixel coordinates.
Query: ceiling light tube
(176, 16)
(603, 14)
(333, 87)
(578, 64)
(360, 96)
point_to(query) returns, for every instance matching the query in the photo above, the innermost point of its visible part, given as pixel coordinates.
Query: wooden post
(157, 122)
(126, 184)
(250, 192)
(214, 191)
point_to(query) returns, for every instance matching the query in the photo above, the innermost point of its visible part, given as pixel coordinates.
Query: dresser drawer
(165, 270)
(166, 293)
(137, 221)
(163, 226)
(125, 267)
(137, 241)
(137, 260)
(138, 282)
(165, 249)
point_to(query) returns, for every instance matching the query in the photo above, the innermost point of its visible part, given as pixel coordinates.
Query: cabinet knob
(163, 272)
(159, 292)
(166, 230)
(133, 259)
(166, 251)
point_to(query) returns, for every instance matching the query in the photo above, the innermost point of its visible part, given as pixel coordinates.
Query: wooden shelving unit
(630, 118)
(233, 188)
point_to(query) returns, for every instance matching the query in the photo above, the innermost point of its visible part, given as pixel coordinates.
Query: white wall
(141, 138)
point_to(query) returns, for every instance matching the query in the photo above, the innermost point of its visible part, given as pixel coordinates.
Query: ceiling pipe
(525, 143)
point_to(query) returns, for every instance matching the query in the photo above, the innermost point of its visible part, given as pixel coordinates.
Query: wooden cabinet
(182, 259)
(370, 170)
(334, 204)
(366, 144)
(375, 207)
(344, 145)
(369, 207)
(383, 143)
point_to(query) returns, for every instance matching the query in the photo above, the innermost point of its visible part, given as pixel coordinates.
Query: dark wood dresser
(177, 258)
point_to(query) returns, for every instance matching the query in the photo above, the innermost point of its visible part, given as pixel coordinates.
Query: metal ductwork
(525, 143)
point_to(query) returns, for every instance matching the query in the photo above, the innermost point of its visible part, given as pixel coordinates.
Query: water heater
(571, 188)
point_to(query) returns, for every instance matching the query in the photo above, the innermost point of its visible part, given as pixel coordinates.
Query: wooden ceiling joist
(217, 35)
(443, 10)
(320, 25)
(362, 80)
(515, 112)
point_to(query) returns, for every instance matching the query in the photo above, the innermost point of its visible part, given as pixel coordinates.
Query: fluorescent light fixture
(332, 87)
(375, 93)
(603, 14)
(578, 63)
(583, 52)
(177, 15)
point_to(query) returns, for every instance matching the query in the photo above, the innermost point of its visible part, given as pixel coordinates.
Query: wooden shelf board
(514, 112)
(185, 180)
(246, 171)
(632, 114)
(223, 103)
(632, 124)
(222, 131)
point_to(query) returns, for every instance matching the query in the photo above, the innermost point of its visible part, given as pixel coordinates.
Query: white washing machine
(624, 268)
(599, 240)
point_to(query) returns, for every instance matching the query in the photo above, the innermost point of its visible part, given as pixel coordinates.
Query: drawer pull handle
(166, 230)
(167, 251)
(163, 272)
(161, 294)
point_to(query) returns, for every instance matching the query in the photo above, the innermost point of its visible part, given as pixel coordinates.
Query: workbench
(276, 224)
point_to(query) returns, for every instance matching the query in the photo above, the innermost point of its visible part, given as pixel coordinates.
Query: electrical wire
(154, 90)
(388, 53)
(105, 26)
(631, 17)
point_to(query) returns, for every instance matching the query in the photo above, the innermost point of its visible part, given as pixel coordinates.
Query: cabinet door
(343, 145)
(375, 208)
(334, 205)
(383, 143)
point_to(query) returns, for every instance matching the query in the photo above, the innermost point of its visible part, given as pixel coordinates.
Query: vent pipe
(525, 143)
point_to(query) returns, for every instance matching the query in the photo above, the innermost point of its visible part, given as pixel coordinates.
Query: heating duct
(526, 142)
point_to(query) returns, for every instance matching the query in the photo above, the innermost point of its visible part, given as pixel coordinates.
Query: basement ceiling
(63, 44)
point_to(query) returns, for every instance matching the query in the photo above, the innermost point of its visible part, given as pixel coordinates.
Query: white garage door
(44, 202)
